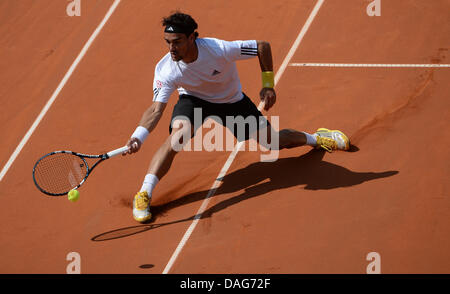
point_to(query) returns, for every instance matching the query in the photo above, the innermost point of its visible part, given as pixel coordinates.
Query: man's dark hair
(182, 21)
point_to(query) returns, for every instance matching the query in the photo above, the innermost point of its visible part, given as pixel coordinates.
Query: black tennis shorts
(244, 113)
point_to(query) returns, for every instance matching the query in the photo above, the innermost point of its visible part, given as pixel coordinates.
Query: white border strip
(298, 40)
(52, 99)
(238, 146)
(365, 65)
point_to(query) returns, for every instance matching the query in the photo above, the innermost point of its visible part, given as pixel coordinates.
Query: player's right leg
(180, 129)
(159, 166)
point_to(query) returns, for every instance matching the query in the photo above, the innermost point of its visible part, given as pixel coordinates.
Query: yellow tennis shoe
(332, 140)
(141, 207)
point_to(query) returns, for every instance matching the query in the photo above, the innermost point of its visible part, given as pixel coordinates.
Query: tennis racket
(58, 172)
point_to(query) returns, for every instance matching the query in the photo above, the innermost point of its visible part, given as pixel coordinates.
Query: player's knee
(182, 131)
(266, 135)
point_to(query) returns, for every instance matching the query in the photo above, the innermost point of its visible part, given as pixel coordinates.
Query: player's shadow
(258, 179)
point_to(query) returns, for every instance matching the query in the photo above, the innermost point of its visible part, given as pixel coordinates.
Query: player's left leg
(326, 139)
(286, 138)
(261, 129)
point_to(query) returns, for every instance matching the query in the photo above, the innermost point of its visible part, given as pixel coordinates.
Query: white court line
(49, 103)
(238, 146)
(298, 40)
(366, 65)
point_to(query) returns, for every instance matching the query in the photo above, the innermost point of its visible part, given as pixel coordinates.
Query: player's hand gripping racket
(58, 172)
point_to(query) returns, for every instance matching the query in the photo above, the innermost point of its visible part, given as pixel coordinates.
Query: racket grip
(117, 151)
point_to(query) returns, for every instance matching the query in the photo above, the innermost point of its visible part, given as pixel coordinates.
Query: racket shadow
(130, 231)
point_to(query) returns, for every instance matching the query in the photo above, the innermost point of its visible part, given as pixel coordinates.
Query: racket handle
(117, 151)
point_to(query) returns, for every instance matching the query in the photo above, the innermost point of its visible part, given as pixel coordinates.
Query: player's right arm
(163, 87)
(151, 116)
(149, 121)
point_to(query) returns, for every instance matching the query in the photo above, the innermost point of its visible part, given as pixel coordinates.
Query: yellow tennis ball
(73, 195)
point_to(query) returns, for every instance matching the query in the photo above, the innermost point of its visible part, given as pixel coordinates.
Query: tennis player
(204, 72)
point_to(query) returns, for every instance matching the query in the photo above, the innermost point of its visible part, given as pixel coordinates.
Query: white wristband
(140, 133)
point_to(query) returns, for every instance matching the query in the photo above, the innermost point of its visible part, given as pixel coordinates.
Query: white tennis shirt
(212, 77)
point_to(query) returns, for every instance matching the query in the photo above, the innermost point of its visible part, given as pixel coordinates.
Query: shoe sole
(347, 141)
(144, 219)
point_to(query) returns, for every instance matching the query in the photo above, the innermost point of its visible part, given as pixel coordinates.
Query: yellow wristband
(267, 79)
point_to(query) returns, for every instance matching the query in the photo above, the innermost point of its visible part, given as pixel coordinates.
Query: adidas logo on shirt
(215, 72)
(170, 29)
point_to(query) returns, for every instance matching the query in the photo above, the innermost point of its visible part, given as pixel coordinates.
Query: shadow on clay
(257, 179)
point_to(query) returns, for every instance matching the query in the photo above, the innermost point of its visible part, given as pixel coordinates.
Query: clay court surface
(308, 212)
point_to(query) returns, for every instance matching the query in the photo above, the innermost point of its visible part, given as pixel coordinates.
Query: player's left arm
(267, 93)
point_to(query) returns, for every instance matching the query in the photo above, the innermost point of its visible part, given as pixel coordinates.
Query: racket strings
(60, 172)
